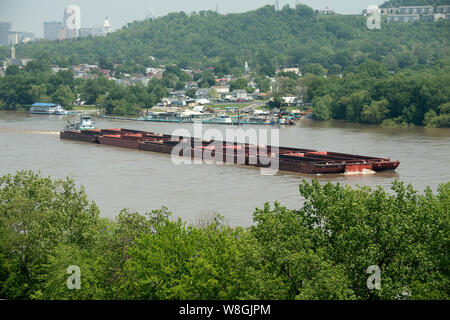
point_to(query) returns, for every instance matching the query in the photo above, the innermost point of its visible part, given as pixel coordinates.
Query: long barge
(204, 121)
(289, 159)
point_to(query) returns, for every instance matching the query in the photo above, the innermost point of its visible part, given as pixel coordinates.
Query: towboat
(85, 123)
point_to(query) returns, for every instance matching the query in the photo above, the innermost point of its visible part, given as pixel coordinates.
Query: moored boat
(47, 108)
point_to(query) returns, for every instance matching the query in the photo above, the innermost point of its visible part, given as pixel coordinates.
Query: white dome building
(106, 27)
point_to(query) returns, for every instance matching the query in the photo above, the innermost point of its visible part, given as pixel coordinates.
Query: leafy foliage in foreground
(321, 251)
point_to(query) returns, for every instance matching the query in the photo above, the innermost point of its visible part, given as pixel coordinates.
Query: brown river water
(118, 178)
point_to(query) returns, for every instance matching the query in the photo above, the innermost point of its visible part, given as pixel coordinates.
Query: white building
(202, 92)
(326, 11)
(402, 18)
(106, 27)
(290, 99)
(203, 101)
(443, 9)
(246, 67)
(416, 10)
(294, 70)
(240, 94)
(221, 89)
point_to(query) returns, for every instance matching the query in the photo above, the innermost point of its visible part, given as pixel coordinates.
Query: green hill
(263, 37)
(398, 75)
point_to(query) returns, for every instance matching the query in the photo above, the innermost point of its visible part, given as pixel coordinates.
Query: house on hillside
(202, 93)
(240, 95)
(293, 69)
(326, 11)
(221, 89)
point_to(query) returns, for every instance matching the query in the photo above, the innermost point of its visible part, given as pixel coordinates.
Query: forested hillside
(264, 37)
(398, 75)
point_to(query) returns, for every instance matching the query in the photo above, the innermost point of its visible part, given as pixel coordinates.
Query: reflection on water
(120, 178)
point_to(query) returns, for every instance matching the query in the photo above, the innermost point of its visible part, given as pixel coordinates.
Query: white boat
(84, 123)
(222, 118)
(47, 108)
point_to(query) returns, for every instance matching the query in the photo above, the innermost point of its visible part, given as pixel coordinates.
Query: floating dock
(289, 159)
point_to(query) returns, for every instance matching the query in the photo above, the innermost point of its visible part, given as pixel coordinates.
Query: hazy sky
(29, 15)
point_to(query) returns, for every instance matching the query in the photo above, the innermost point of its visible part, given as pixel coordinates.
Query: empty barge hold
(289, 159)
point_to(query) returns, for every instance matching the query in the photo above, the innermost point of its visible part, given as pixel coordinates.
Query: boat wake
(363, 172)
(29, 132)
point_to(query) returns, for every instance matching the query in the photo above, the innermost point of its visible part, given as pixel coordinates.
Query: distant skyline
(29, 15)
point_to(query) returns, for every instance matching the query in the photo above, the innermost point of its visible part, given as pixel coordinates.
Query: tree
(64, 96)
(335, 69)
(191, 92)
(286, 85)
(185, 262)
(314, 68)
(42, 64)
(38, 92)
(276, 102)
(320, 251)
(213, 95)
(100, 101)
(208, 79)
(157, 90)
(322, 108)
(376, 112)
(372, 68)
(304, 11)
(12, 70)
(105, 63)
(433, 120)
(263, 83)
(91, 89)
(239, 84)
(355, 105)
(36, 215)
(313, 253)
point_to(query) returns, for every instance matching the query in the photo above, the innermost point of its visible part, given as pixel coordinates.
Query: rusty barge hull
(289, 159)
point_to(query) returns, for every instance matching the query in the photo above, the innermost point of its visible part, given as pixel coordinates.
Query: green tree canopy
(320, 251)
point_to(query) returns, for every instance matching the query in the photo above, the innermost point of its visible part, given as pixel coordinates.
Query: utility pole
(277, 5)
